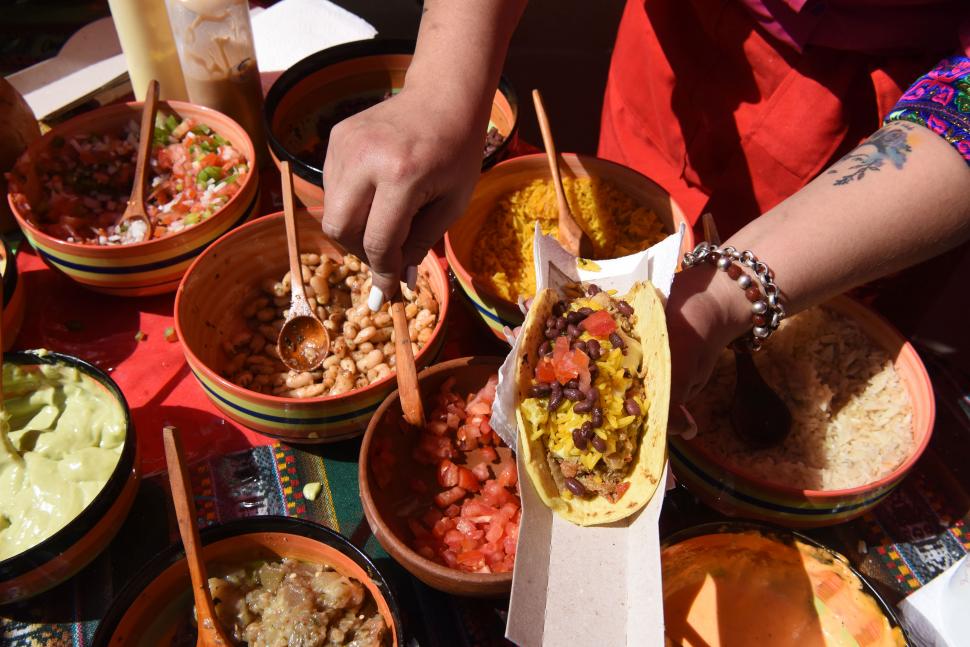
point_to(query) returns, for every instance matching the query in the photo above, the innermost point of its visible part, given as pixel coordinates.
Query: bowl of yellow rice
(489, 248)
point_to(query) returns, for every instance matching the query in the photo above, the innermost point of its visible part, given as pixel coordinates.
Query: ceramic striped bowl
(208, 308)
(736, 493)
(463, 236)
(74, 546)
(155, 266)
(13, 296)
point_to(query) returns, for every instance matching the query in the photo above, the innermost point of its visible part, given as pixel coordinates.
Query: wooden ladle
(139, 225)
(571, 236)
(303, 342)
(759, 416)
(407, 373)
(211, 632)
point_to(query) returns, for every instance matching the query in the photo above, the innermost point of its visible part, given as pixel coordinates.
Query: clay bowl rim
(146, 246)
(785, 535)
(413, 559)
(276, 400)
(261, 524)
(466, 276)
(75, 529)
(846, 306)
(317, 61)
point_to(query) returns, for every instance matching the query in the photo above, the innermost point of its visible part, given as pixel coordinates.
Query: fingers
(429, 225)
(387, 229)
(346, 203)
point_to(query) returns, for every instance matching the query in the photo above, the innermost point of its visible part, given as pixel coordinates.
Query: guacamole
(63, 433)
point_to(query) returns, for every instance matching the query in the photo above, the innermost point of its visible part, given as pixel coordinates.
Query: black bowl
(68, 550)
(146, 594)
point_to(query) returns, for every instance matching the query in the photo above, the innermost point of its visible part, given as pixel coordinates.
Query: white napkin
(291, 30)
(933, 614)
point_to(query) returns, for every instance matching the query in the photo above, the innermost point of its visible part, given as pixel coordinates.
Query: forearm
(460, 51)
(898, 199)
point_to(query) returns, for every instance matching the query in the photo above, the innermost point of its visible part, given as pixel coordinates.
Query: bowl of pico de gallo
(69, 189)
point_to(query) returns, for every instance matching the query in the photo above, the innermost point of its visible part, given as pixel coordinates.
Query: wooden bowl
(362, 68)
(513, 174)
(147, 609)
(14, 305)
(382, 506)
(71, 548)
(735, 492)
(154, 266)
(207, 311)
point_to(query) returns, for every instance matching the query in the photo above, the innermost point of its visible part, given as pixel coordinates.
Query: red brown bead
(712, 258)
(734, 272)
(759, 320)
(753, 294)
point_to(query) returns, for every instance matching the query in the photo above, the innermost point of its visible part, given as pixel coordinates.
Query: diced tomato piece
(448, 497)
(475, 508)
(467, 480)
(442, 526)
(489, 455)
(508, 476)
(438, 427)
(495, 531)
(451, 559)
(453, 538)
(427, 552)
(471, 558)
(465, 526)
(599, 324)
(494, 494)
(417, 529)
(452, 511)
(447, 474)
(453, 420)
(545, 371)
(437, 446)
(570, 364)
(481, 472)
(621, 490)
(431, 517)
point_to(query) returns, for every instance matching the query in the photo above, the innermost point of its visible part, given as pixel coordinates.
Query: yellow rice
(614, 222)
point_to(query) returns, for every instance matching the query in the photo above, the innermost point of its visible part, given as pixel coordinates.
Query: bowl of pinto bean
(232, 302)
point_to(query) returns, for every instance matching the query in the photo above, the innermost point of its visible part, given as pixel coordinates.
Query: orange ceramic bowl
(207, 311)
(149, 609)
(736, 493)
(366, 68)
(383, 505)
(71, 548)
(154, 266)
(13, 296)
(513, 174)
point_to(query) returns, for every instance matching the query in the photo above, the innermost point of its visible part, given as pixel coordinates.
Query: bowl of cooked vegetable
(68, 457)
(312, 96)
(621, 211)
(443, 501)
(232, 304)
(274, 581)
(69, 190)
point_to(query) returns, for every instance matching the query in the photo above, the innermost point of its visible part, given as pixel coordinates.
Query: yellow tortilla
(650, 325)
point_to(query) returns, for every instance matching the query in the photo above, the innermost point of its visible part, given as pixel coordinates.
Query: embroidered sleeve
(940, 100)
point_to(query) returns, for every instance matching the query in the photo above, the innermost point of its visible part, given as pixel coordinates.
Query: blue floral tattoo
(890, 143)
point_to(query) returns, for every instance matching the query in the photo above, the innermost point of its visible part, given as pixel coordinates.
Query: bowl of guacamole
(68, 473)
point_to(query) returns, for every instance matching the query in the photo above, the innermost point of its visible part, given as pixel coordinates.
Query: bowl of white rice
(862, 413)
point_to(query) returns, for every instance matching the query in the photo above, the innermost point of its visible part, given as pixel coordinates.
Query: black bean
(631, 407)
(597, 416)
(585, 311)
(545, 349)
(592, 289)
(551, 333)
(594, 370)
(587, 429)
(579, 439)
(573, 395)
(624, 308)
(555, 399)
(573, 331)
(558, 308)
(580, 346)
(550, 322)
(574, 317)
(616, 340)
(593, 349)
(560, 323)
(592, 394)
(572, 384)
(599, 444)
(583, 407)
(575, 487)
(540, 390)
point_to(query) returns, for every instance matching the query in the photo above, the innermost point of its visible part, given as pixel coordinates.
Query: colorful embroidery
(940, 101)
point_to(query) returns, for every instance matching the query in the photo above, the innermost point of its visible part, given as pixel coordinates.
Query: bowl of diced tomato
(69, 189)
(443, 501)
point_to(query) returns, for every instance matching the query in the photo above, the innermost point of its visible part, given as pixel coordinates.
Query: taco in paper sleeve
(593, 388)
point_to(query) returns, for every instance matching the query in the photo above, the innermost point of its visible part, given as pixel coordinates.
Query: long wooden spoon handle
(146, 135)
(407, 374)
(292, 239)
(178, 477)
(570, 233)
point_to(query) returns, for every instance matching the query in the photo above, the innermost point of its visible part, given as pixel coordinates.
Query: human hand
(395, 177)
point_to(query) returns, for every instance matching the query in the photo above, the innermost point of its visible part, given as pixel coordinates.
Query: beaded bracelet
(766, 308)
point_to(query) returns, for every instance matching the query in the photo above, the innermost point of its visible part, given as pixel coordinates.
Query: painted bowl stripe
(777, 507)
(485, 312)
(128, 269)
(285, 421)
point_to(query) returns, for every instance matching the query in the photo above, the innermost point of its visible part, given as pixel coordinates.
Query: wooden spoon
(303, 342)
(571, 236)
(211, 632)
(407, 373)
(759, 416)
(139, 225)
